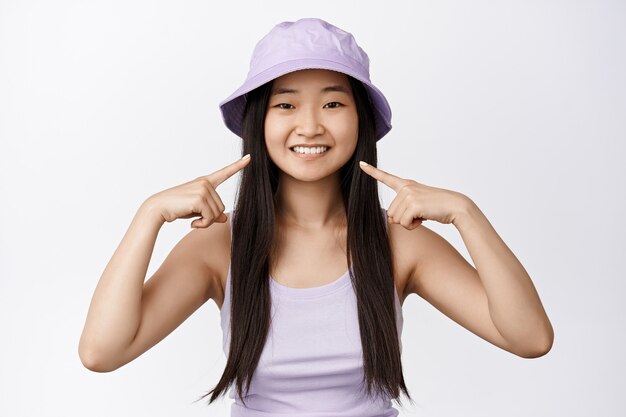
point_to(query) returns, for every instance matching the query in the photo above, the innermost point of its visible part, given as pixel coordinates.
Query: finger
(228, 171)
(208, 210)
(399, 214)
(216, 197)
(386, 178)
(209, 198)
(215, 208)
(220, 217)
(417, 221)
(408, 219)
(415, 224)
(200, 222)
(396, 204)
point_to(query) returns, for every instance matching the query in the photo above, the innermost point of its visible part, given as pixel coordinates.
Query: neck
(310, 205)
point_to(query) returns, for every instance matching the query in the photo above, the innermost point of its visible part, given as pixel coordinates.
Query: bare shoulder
(441, 276)
(213, 247)
(187, 278)
(407, 246)
(403, 249)
(413, 251)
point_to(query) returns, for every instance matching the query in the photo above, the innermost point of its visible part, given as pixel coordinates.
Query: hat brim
(232, 108)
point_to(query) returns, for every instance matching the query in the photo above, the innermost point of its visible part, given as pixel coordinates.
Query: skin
(309, 194)
(496, 300)
(310, 213)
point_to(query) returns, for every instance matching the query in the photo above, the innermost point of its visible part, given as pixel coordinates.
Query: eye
(280, 105)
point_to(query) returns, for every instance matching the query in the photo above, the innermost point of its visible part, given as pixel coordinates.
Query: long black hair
(368, 247)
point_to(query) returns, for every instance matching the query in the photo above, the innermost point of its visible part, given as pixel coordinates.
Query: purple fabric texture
(311, 364)
(305, 43)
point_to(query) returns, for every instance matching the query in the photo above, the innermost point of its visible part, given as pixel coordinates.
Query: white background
(520, 105)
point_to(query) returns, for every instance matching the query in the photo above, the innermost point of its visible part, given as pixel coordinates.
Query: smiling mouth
(304, 150)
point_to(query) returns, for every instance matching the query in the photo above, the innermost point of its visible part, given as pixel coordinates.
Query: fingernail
(363, 163)
(246, 157)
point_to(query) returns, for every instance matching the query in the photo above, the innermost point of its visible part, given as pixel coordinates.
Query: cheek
(348, 129)
(274, 135)
(345, 128)
(274, 126)
(269, 127)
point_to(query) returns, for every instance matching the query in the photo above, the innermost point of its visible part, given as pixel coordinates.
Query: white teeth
(306, 150)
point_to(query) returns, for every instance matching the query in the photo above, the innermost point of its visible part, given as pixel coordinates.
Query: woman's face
(310, 108)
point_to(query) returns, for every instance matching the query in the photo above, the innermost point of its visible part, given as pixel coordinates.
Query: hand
(415, 202)
(196, 198)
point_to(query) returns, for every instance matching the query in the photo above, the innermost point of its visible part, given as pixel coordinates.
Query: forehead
(312, 77)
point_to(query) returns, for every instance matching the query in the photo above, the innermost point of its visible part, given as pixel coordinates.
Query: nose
(309, 124)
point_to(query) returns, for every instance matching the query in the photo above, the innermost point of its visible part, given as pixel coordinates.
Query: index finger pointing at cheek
(386, 178)
(228, 171)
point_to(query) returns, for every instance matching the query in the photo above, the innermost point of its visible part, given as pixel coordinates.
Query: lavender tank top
(311, 364)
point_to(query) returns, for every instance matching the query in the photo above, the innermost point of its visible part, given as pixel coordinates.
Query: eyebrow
(285, 90)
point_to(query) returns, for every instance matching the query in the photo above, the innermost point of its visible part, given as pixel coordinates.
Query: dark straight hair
(253, 243)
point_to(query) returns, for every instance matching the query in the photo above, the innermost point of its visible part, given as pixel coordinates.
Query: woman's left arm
(497, 299)
(514, 304)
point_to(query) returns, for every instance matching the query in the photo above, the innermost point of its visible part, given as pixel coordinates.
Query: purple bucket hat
(306, 43)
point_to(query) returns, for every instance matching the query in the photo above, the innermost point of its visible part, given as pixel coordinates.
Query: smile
(309, 153)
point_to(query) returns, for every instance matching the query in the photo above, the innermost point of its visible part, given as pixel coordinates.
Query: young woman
(309, 271)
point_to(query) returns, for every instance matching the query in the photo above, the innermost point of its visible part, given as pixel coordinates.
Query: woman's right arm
(115, 309)
(127, 317)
